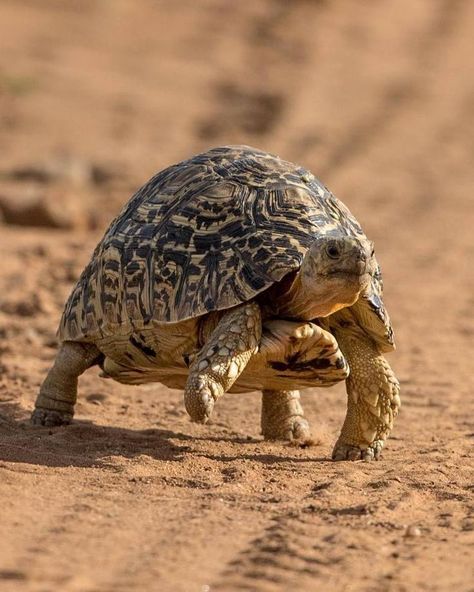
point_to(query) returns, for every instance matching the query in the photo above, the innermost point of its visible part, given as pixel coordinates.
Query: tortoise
(234, 271)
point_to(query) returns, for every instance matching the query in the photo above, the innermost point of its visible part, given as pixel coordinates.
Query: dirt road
(377, 100)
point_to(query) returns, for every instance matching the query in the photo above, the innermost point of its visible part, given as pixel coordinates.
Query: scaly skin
(373, 398)
(293, 355)
(283, 418)
(58, 393)
(222, 359)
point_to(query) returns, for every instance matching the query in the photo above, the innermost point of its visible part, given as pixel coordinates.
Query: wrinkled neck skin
(303, 304)
(332, 276)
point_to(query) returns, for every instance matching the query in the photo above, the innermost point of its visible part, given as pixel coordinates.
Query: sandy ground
(377, 99)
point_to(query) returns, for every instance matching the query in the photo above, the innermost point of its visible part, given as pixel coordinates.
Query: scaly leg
(58, 393)
(283, 418)
(293, 355)
(222, 359)
(373, 398)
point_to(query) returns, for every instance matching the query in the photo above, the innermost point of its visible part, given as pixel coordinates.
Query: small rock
(32, 336)
(12, 574)
(32, 305)
(96, 398)
(412, 531)
(38, 209)
(65, 167)
(468, 525)
(60, 167)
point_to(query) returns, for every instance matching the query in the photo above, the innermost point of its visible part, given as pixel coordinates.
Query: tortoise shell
(205, 235)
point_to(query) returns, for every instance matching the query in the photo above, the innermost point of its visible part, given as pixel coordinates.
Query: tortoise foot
(295, 430)
(50, 418)
(283, 418)
(300, 433)
(344, 451)
(199, 399)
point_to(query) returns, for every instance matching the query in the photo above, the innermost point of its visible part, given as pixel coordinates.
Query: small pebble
(412, 531)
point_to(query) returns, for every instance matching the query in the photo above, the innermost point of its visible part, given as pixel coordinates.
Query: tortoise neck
(295, 301)
(288, 299)
(292, 298)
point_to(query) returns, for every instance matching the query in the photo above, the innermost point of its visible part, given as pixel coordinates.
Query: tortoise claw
(344, 451)
(49, 418)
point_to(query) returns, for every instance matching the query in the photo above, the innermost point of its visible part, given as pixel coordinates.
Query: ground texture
(377, 99)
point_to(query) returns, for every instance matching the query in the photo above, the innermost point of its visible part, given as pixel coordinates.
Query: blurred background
(376, 98)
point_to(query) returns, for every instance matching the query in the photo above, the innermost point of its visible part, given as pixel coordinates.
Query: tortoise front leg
(58, 393)
(283, 418)
(373, 398)
(222, 359)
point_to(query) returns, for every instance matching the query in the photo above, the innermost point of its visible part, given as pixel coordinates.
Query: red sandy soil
(377, 99)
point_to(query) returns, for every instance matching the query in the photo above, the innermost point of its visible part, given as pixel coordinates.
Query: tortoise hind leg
(292, 355)
(58, 393)
(283, 418)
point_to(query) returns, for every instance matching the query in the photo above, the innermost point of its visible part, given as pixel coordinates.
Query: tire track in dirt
(323, 542)
(302, 549)
(397, 96)
(330, 548)
(256, 108)
(283, 555)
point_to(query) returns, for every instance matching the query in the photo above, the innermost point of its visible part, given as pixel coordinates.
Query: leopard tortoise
(234, 271)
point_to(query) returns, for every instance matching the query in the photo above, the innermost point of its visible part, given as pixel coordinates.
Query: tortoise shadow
(85, 444)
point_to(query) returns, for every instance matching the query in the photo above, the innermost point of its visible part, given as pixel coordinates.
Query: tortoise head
(335, 270)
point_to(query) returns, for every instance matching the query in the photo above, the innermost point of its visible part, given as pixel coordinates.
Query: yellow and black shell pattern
(203, 235)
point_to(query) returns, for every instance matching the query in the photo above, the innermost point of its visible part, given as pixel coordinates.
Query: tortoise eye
(333, 252)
